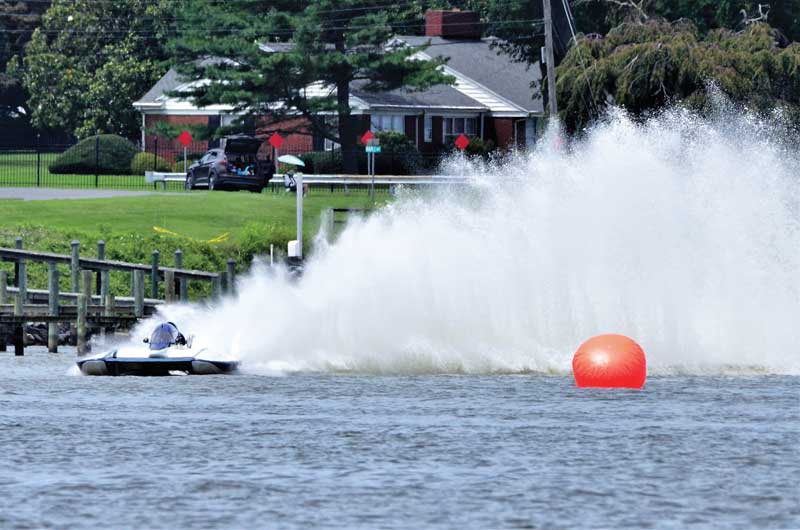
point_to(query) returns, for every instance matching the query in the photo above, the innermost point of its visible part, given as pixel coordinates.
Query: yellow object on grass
(219, 239)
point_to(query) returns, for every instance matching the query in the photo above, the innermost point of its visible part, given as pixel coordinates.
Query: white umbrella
(291, 159)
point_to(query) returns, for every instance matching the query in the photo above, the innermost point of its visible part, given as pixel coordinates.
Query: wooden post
(183, 284)
(104, 284)
(216, 288)
(3, 287)
(138, 293)
(19, 329)
(109, 303)
(223, 278)
(75, 265)
(81, 324)
(154, 274)
(86, 285)
(169, 286)
(52, 298)
(101, 255)
(231, 287)
(3, 301)
(20, 274)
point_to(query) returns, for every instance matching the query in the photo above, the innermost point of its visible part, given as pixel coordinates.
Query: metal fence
(30, 166)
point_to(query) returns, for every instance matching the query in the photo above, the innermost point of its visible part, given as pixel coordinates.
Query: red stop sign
(276, 140)
(367, 137)
(462, 142)
(185, 138)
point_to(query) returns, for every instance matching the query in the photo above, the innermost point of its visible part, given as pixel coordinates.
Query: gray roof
(475, 59)
(170, 81)
(487, 65)
(439, 96)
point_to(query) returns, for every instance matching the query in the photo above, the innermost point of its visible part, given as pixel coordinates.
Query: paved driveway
(46, 194)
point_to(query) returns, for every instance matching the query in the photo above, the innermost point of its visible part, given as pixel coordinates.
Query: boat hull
(158, 366)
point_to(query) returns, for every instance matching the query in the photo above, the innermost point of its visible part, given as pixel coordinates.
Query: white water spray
(680, 232)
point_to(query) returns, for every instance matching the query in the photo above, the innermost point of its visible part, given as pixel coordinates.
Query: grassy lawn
(19, 169)
(192, 222)
(198, 215)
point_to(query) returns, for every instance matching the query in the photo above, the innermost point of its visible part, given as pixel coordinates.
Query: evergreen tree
(322, 47)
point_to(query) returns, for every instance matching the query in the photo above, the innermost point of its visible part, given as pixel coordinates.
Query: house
(492, 98)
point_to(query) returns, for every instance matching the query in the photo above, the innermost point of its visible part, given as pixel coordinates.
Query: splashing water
(680, 232)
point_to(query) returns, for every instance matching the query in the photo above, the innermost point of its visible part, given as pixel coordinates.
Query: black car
(233, 167)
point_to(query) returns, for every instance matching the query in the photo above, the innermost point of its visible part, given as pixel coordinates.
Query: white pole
(298, 178)
(271, 254)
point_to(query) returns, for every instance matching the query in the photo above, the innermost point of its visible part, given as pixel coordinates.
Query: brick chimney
(453, 24)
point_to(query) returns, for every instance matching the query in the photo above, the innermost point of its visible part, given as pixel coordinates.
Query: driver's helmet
(164, 336)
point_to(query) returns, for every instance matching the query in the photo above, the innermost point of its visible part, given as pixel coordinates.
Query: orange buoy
(609, 361)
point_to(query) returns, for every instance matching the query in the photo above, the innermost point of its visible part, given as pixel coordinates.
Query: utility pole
(550, 59)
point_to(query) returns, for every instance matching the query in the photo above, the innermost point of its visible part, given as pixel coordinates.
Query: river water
(416, 451)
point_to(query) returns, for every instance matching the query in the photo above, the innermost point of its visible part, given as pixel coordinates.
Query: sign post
(373, 147)
(185, 138)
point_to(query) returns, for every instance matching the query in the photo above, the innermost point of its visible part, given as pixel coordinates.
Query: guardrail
(155, 177)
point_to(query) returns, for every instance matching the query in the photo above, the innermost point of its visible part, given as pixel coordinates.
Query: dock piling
(3, 301)
(231, 276)
(169, 286)
(183, 287)
(81, 324)
(138, 293)
(154, 261)
(101, 255)
(19, 329)
(75, 264)
(52, 310)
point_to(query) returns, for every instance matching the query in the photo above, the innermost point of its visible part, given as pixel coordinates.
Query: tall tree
(17, 22)
(642, 67)
(297, 59)
(89, 60)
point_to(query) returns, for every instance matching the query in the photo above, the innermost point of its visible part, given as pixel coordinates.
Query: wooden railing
(89, 300)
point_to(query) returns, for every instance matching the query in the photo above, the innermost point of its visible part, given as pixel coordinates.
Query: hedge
(144, 162)
(107, 154)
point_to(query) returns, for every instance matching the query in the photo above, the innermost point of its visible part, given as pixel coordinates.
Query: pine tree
(322, 47)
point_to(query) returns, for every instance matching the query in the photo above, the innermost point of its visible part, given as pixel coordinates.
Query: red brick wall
(502, 130)
(452, 24)
(166, 145)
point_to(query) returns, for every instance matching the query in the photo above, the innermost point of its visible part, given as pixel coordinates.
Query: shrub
(324, 162)
(115, 156)
(479, 148)
(399, 155)
(144, 162)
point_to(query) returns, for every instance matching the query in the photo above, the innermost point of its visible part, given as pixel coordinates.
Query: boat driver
(165, 335)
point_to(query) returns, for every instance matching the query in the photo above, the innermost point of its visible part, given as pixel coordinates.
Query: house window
(388, 122)
(455, 127)
(428, 128)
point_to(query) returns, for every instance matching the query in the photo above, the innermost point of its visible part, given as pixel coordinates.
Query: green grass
(192, 222)
(197, 215)
(19, 169)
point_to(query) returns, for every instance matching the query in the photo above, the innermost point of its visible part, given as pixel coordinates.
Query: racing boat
(167, 353)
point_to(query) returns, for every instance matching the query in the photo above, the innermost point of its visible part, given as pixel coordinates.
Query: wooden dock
(88, 303)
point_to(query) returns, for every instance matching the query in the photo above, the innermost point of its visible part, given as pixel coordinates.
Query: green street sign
(373, 149)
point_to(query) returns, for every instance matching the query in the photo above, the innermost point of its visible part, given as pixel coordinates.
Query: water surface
(513, 451)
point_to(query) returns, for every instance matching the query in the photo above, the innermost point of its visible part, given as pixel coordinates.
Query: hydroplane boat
(167, 352)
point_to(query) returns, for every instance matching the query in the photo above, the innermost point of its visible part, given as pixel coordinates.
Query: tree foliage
(89, 60)
(334, 43)
(17, 22)
(642, 67)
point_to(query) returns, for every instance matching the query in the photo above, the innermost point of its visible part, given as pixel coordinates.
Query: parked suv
(234, 167)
